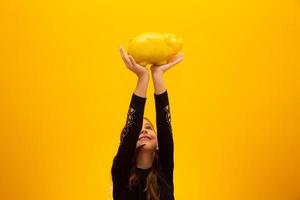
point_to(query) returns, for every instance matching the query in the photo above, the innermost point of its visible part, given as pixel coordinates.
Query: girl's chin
(141, 145)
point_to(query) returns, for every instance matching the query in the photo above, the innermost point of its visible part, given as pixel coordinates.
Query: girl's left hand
(172, 62)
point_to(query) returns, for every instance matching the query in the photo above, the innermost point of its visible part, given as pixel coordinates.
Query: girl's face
(148, 138)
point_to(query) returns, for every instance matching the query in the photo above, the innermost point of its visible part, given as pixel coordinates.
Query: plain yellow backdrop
(64, 95)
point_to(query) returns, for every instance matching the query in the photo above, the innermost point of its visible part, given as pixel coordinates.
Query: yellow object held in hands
(154, 48)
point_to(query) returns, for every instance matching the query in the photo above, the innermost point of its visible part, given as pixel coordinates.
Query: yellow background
(234, 99)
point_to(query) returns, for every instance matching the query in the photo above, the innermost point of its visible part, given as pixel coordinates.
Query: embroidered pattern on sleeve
(129, 121)
(168, 116)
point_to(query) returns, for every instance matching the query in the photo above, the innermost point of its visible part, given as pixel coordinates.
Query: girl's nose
(144, 131)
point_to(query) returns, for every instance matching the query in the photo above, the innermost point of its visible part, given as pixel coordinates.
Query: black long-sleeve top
(122, 163)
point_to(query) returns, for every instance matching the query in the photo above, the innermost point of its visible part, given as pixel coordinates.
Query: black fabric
(122, 163)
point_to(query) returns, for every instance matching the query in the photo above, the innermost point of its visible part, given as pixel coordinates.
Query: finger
(178, 59)
(181, 54)
(134, 62)
(125, 57)
(172, 63)
(123, 54)
(176, 62)
(132, 59)
(174, 58)
(165, 67)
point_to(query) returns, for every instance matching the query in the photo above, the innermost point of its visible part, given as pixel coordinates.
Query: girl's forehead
(146, 121)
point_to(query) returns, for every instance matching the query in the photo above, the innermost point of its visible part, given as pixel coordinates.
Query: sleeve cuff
(138, 100)
(162, 98)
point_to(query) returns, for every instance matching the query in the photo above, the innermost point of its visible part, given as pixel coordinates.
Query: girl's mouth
(145, 137)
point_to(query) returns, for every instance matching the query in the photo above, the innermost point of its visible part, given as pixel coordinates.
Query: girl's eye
(148, 127)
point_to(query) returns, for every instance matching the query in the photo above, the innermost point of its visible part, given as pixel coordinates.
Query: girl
(143, 166)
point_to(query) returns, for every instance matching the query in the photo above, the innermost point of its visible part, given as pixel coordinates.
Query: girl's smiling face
(148, 138)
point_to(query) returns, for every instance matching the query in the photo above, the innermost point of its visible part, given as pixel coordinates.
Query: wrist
(156, 71)
(157, 75)
(143, 77)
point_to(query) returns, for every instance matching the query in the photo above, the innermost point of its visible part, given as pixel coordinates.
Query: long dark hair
(152, 190)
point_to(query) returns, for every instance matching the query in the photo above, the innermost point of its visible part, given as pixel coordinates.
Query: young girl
(143, 166)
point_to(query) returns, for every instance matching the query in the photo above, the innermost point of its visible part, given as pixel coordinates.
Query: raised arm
(123, 160)
(163, 117)
(158, 73)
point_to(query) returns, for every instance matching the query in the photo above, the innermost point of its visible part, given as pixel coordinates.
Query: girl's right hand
(139, 70)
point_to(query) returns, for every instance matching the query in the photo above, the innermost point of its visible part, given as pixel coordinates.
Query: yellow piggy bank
(154, 48)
